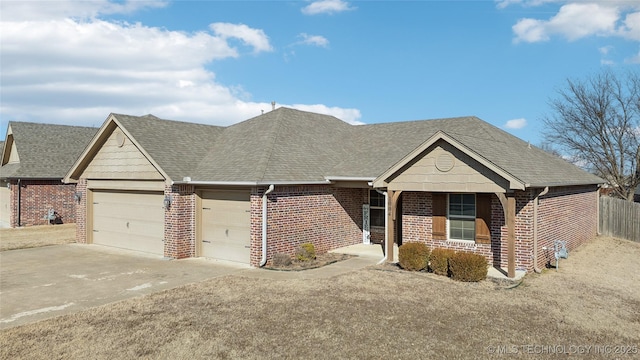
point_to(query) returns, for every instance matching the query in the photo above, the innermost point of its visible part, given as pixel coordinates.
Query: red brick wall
(416, 227)
(325, 216)
(37, 197)
(566, 213)
(180, 222)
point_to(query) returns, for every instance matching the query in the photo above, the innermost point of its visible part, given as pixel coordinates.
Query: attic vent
(120, 138)
(444, 162)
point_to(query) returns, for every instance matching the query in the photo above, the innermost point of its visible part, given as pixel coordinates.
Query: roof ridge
(272, 146)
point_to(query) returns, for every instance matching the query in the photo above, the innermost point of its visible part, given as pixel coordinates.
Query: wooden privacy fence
(619, 218)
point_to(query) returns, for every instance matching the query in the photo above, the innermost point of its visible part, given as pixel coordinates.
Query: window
(462, 216)
(376, 212)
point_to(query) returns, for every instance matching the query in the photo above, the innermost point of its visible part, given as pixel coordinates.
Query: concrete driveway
(44, 282)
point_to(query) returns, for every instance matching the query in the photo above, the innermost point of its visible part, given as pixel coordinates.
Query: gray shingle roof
(382, 145)
(176, 146)
(46, 151)
(282, 145)
(298, 146)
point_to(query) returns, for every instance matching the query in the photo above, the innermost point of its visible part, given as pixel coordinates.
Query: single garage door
(226, 220)
(129, 220)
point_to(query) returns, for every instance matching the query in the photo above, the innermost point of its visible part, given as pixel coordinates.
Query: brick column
(180, 223)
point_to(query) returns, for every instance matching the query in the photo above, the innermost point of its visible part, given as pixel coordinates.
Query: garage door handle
(207, 241)
(206, 208)
(247, 246)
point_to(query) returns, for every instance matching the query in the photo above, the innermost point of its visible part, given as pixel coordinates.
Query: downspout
(263, 261)
(19, 203)
(535, 229)
(386, 224)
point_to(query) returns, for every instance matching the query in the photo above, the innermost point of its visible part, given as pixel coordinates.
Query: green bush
(439, 261)
(469, 267)
(413, 256)
(306, 252)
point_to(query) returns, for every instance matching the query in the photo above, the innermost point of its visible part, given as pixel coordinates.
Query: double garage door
(129, 220)
(135, 221)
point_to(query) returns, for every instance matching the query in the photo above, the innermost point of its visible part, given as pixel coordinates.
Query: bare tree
(596, 122)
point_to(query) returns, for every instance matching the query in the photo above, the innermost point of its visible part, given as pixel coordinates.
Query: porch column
(392, 199)
(508, 202)
(511, 236)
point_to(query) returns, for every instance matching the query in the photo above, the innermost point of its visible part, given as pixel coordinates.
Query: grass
(378, 312)
(36, 236)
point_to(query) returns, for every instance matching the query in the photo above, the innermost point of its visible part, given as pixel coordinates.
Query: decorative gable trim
(382, 180)
(106, 130)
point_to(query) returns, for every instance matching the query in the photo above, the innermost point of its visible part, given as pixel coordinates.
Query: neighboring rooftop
(45, 151)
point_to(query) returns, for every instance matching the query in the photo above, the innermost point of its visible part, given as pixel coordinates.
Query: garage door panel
(129, 220)
(225, 222)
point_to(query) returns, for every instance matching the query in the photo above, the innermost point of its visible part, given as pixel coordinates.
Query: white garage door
(226, 219)
(129, 220)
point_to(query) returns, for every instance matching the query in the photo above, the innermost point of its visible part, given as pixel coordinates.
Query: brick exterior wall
(557, 220)
(81, 212)
(325, 216)
(37, 197)
(180, 222)
(566, 213)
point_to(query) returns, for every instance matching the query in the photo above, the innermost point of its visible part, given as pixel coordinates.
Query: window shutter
(439, 219)
(483, 218)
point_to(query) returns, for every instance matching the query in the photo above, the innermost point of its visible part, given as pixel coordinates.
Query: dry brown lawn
(35, 236)
(590, 308)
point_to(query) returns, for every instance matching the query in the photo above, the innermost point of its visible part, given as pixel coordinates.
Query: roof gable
(419, 152)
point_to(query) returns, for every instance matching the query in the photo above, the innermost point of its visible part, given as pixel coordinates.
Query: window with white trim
(462, 217)
(376, 209)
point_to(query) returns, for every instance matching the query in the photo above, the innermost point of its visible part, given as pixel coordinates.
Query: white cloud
(631, 28)
(605, 49)
(31, 10)
(516, 123)
(326, 7)
(67, 70)
(315, 40)
(573, 21)
(578, 19)
(352, 116)
(255, 38)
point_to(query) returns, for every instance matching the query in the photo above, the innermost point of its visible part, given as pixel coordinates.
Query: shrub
(306, 252)
(439, 261)
(413, 256)
(281, 259)
(466, 266)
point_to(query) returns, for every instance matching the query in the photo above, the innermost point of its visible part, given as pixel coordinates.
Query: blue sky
(221, 62)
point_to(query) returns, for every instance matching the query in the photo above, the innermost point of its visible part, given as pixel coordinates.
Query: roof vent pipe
(263, 261)
(273, 105)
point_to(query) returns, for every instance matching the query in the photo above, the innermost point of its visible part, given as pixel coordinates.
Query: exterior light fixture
(77, 196)
(167, 202)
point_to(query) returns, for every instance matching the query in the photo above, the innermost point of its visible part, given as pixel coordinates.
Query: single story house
(265, 185)
(35, 159)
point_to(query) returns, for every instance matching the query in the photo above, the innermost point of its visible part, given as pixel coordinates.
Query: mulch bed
(320, 261)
